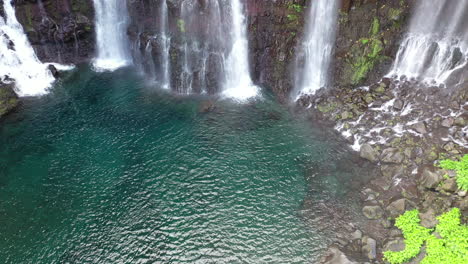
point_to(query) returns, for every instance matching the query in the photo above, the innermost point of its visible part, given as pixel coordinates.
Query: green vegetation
(296, 7)
(447, 244)
(181, 25)
(294, 11)
(292, 17)
(461, 168)
(367, 54)
(414, 235)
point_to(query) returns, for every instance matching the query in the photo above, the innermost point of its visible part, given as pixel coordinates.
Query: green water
(107, 169)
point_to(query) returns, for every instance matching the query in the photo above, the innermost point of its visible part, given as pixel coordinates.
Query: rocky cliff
(367, 40)
(59, 30)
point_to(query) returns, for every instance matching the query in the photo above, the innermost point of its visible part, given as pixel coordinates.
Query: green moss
(375, 28)
(450, 248)
(394, 13)
(292, 17)
(327, 107)
(365, 54)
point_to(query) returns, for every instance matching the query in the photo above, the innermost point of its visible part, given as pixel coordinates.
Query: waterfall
(436, 45)
(238, 83)
(18, 60)
(111, 34)
(315, 55)
(166, 43)
(193, 46)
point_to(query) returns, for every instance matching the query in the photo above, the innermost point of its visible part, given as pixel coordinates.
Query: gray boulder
(369, 247)
(428, 218)
(420, 127)
(429, 179)
(369, 153)
(397, 208)
(392, 155)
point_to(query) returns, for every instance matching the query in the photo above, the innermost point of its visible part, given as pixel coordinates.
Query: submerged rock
(372, 212)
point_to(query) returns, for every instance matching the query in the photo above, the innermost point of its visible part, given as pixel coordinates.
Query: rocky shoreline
(405, 128)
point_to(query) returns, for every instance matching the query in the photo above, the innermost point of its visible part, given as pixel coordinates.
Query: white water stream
(317, 48)
(238, 83)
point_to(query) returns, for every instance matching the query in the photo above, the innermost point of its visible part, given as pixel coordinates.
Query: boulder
(395, 245)
(392, 155)
(429, 179)
(460, 121)
(54, 71)
(396, 208)
(335, 256)
(372, 212)
(356, 235)
(448, 122)
(449, 185)
(420, 127)
(369, 153)
(428, 218)
(398, 105)
(369, 247)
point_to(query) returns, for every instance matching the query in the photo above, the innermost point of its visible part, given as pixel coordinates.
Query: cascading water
(18, 60)
(314, 60)
(238, 83)
(436, 45)
(111, 34)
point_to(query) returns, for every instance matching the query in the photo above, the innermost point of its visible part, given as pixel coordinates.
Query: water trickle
(314, 59)
(238, 84)
(436, 45)
(18, 60)
(111, 34)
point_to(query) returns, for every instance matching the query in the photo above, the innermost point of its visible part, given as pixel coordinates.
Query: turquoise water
(107, 169)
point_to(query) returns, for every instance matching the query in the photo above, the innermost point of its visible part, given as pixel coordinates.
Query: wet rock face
(368, 38)
(60, 31)
(275, 29)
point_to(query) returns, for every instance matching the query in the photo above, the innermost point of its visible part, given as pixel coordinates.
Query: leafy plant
(450, 248)
(414, 235)
(461, 168)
